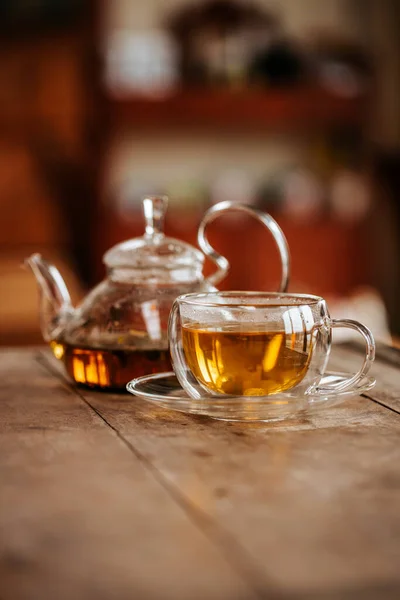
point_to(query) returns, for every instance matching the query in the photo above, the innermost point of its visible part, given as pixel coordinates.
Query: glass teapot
(119, 331)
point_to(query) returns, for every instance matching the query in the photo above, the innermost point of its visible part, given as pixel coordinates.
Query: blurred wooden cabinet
(47, 94)
(325, 254)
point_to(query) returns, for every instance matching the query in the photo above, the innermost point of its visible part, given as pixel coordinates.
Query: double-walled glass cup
(246, 344)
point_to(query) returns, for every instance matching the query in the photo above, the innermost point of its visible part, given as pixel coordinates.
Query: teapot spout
(55, 302)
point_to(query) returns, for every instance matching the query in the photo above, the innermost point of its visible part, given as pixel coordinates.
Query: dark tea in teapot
(109, 369)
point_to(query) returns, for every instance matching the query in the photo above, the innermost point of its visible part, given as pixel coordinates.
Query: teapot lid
(154, 249)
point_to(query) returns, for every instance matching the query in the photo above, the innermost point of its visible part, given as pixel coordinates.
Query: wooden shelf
(302, 108)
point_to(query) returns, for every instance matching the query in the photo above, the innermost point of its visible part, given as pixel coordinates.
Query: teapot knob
(221, 262)
(154, 208)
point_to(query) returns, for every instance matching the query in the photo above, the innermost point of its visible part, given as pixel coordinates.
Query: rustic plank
(384, 353)
(314, 502)
(83, 517)
(323, 501)
(385, 370)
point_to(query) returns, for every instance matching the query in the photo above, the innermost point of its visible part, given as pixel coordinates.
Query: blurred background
(290, 106)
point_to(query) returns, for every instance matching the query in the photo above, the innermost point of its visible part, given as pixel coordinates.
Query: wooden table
(106, 497)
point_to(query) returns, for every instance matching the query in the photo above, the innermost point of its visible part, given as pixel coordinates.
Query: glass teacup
(256, 344)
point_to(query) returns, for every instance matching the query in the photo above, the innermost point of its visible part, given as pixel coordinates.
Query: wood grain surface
(105, 496)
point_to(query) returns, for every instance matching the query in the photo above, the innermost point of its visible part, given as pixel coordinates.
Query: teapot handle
(221, 262)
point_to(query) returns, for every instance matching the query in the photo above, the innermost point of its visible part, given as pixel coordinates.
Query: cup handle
(221, 262)
(368, 359)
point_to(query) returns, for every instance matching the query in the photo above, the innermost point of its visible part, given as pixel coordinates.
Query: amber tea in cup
(255, 344)
(232, 360)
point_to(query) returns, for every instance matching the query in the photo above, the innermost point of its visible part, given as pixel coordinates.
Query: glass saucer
(164, 390)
